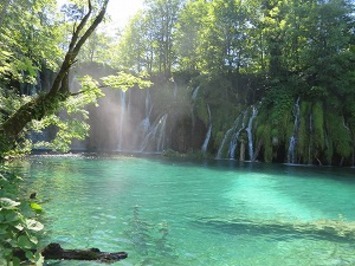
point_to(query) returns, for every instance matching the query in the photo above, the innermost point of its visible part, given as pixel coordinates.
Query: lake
(175, 212)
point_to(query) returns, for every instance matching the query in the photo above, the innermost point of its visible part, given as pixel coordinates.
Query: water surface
(166, 212)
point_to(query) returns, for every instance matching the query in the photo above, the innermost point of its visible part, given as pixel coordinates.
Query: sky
(119, 10)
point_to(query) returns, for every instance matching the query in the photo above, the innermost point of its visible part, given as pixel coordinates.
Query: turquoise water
(165, 212)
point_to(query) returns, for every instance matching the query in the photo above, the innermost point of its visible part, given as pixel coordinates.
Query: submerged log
(55, 252)
(338, 230)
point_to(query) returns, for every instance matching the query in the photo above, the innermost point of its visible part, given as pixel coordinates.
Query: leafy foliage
(124, 81)
(19, 225)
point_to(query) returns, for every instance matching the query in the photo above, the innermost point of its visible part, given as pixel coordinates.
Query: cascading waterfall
(147, 136)
(291, 156)
(310, 138)
(195, 93)
(209, 131)
(194, 97)
(122, 118)
(144, 125)
(155, 135)
(240, 125)
(220, 149)
(232, 135)
(175, 88)
(250, 135)
(161, 133)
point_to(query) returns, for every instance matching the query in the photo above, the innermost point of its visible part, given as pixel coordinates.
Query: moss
(318, 125)
(219, 136)
(268, 147)
(303, 135)
(339, 134)
(201, 111)
(264, 135)
(259, 132)
(329, 150)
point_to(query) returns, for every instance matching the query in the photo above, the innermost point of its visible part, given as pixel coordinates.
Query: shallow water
(166, 212)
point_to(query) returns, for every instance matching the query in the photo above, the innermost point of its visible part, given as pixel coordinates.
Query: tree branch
(79, 28)
(76, 44)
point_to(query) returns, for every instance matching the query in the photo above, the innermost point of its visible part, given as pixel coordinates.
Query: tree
(98, 48)
(28, 37)
(134, 50)
(190, 24)
(161, 18)
(47, 103)
(308, 45)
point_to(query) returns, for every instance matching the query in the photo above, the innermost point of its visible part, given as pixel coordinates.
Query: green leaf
(16, 261)
(7, 203)
(3, 229)
(34, 225)
(34, 240)
(24, 242)
(39, 259)
(19, 227)
(29, 255)
(12, 217)
(36, 207)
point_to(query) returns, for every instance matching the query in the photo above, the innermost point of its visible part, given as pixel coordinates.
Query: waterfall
(310, 138)
(240, 125)
(209, 131)
(148, 104)
(155, 137)
(250, 135)
(122, 119)
(161, 133)
(291, 155)
(195, 93)
(193, 97)
(175, 87)
(232, 135)
(145, 124)
(220, 149)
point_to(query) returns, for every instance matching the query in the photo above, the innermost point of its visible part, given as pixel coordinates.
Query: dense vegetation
(296, 57)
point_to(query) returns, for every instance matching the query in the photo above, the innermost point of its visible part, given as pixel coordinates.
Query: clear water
(165, 212)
